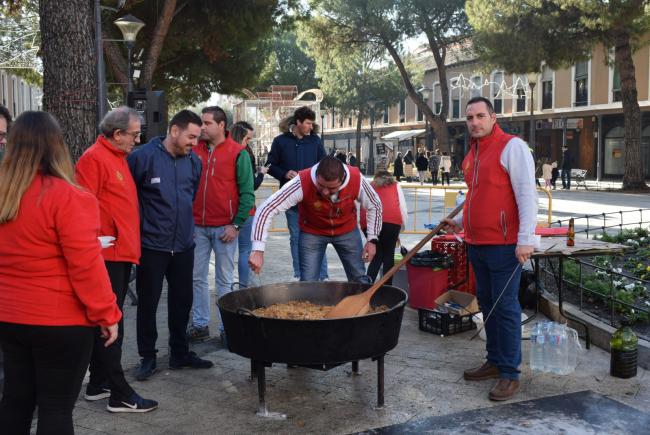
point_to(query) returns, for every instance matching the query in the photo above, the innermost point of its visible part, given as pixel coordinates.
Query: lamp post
(101, 73)
(129, 26)
(322, 128)
(532, 79)
(371, 151)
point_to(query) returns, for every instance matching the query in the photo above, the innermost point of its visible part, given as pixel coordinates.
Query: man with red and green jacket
(222, 204)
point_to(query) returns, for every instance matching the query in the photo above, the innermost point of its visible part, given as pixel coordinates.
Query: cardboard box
(466, 300)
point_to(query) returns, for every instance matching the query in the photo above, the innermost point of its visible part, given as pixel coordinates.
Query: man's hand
(369, 252)
(109, 333)
(290, 174)
(450, 226)
(523, 252)
(229, 234)
(256, 261)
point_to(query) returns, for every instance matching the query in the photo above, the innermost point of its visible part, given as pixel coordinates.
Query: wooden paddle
(357, 305)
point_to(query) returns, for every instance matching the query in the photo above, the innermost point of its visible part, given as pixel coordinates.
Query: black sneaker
(94, 393)
(146, 369)
(198, 333)
(133, 404)
(189, 360)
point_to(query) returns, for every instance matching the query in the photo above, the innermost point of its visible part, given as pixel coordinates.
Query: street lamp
(427, 135)
(371, 152)
(129, 26)
(532, 81)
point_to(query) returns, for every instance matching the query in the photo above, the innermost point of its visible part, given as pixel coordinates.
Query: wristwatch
(373, 241)
(237, 227)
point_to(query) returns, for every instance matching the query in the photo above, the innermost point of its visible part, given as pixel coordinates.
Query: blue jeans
(348, 246)
(294, 243)
(207, 240)
(245, 245)
(493, 265)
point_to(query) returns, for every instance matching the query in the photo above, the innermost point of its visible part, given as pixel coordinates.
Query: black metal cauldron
(320, 344)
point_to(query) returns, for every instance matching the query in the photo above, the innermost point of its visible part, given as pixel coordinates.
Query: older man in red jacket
(103, 170)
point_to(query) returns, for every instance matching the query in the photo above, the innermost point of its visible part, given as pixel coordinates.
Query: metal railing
(603, 285)
(602, 222)
(425, 204)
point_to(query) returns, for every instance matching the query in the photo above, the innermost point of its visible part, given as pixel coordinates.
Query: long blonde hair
(35, 144)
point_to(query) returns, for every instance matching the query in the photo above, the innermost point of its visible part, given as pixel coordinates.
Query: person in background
(326, 196)
(567, 165)
(103, 171)
(547, 173)
(297, 148)
(445, 166)
(54, 288)
(352, 160)
(341, 156)
(408, 165)
(398, 167)
(222, 206)
(166, 175)
(5, 122)
(422, 165)
(499, 218)
(434, 166)
(394, 217)
(242, 132)
(555, 173)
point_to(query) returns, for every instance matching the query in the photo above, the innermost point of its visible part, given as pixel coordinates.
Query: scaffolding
(265, 110)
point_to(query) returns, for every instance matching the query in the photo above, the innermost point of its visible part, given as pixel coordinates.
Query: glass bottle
(623, 349)
(571, 234)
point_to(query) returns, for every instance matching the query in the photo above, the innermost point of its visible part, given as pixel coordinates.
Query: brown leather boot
(504, 389)
(486, 371)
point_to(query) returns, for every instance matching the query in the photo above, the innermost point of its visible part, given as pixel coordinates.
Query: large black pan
(328, 341)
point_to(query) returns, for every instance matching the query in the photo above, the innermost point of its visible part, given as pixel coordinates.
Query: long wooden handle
(371, 291)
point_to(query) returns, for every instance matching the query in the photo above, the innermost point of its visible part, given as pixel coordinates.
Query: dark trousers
(44, 366)
(434, 177)
(566, 178)
(445, 175)
(385, 255)
(106, 362)
(493, 266)
(177, 269)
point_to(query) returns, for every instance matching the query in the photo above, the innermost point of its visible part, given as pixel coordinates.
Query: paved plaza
(423, 373)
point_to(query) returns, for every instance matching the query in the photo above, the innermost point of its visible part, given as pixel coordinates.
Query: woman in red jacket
(54, 288)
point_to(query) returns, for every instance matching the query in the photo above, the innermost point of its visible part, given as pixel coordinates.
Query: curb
(600, 332)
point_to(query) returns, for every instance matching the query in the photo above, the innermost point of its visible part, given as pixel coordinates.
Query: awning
(403, 134)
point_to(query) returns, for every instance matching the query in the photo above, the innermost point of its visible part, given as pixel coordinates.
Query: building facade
(577, 106)
(17, 95)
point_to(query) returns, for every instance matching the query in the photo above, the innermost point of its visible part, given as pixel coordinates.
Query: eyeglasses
(133, 134)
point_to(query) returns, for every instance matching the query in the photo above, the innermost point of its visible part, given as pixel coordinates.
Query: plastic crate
(461, 275)
(444, 323)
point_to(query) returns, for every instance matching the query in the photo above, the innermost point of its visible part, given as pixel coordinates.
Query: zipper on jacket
(504, 225)
(205, 188)
(474, 182)
(176, 191)
(232, 216)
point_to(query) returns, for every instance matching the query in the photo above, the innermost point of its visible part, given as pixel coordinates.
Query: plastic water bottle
(460, 198)
(537, 337)
(557, 355)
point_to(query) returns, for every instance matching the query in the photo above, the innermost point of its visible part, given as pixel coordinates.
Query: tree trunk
(156, 45)
(69, 76)
(633, 177)
(116, 62)
(358, 147)
(441, 130)
(439, 55)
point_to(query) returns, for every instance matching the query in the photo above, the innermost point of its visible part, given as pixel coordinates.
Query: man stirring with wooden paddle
(327, 213)
(499, 218)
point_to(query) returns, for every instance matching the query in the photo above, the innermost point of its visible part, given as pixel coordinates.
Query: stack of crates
(461, 275)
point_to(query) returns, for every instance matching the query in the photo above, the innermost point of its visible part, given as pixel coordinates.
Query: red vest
(490, 214)
(320, 216)
(390, 211)
(217, 199)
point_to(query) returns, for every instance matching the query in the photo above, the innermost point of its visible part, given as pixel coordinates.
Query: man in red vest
(327, 213)
(103, 171)
(221, 206)
(499, 219)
